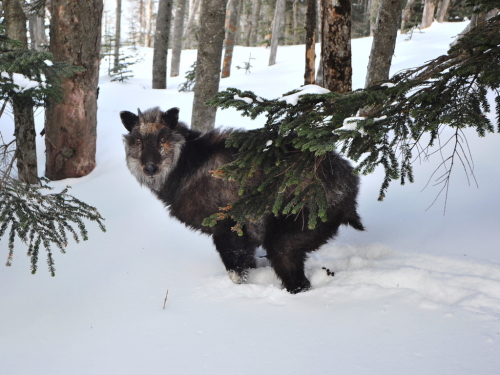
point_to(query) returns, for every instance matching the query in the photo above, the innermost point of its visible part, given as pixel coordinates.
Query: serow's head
(153, 144)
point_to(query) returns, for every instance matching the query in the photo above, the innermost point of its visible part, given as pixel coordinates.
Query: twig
(164, 303)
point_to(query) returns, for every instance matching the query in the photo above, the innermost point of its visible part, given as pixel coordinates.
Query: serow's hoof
(302, 287)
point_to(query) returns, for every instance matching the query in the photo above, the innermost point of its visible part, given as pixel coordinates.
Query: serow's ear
(171, 117)
(129, 120)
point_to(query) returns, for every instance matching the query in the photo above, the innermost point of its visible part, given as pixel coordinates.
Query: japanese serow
(176, 163)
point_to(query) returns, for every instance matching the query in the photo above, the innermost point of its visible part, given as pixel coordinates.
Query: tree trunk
(161, 44)
(177, 38)
(442, 12)
(279, 14)
(255, 22)
(211, 39)
(384, 42)
(310, 43)
(336, 45)
(406, 15)
(295, 22)
(24, 123)
(189, 23)
(70, 126)
(428, 14)
(37, 30)
(149, 21)
(374, 7)
(117, 33)
(231, 29)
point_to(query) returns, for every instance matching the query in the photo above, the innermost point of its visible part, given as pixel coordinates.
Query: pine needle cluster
(391, 124)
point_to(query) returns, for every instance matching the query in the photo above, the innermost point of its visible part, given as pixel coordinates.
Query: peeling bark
(310, 70)
(336, 45)
(232, 28)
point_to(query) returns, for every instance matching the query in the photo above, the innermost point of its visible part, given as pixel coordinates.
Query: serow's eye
(138, 141)
(163, 140)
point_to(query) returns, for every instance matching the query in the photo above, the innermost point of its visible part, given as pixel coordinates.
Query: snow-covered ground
(417, 293)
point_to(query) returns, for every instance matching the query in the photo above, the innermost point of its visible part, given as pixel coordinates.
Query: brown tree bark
(24, 122)
(149, 23)
(336, 45)
(177, 38)
(211, 38)
(161, 44)
(311, 14)
(231, 29)
(70, 126)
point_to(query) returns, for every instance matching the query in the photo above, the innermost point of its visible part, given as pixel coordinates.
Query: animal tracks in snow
(375, 271)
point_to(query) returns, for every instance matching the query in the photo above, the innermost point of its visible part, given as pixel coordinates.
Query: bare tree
(310, 42)
(384, 42)
(161, 44)
(177, 37)
(231, 29)
(149, 23)
(442, 11)
(117, 33)
(255, 22)
(36, 22)
(279, 14)
(406, 15)
(428, 14)
(70, 126)
(24, 130)
(336, 45)
(211, 38)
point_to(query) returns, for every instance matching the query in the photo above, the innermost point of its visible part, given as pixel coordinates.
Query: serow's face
(152, 145)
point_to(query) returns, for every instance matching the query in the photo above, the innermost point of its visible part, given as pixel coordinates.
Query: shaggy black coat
(176, 163)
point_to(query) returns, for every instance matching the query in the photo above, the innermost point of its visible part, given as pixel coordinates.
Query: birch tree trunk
(428, 14)
(117, 33)
(161, 44)
(311, 14)
(211, 38)
(384, 42)
(336, 45)
(70, 126)
(24, 122)
(279, 14)
(231, 29)
(177, 38)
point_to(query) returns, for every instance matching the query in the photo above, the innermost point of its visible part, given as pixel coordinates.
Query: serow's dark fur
(175, 163)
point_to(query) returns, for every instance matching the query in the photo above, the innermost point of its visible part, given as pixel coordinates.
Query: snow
(244, 98)
(293, 99)
(351, 123)
(417, 293)
(22, 82)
